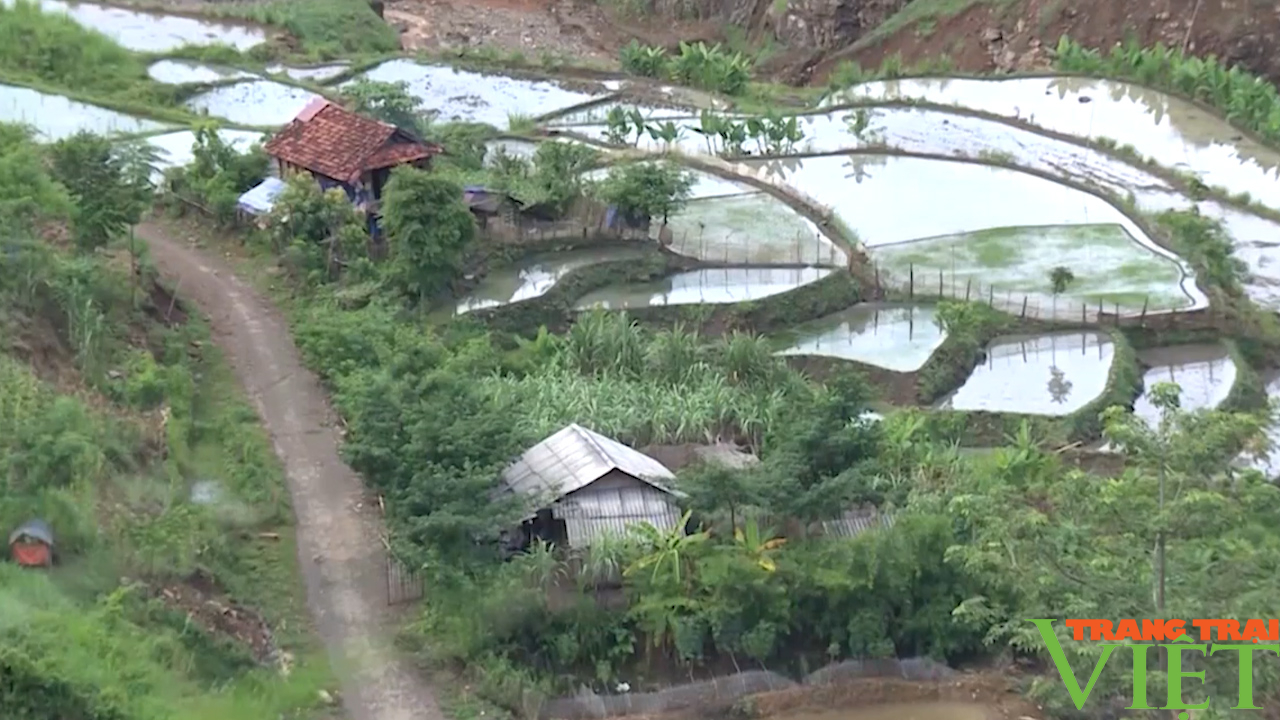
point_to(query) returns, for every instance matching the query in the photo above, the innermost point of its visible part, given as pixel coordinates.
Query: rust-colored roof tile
(340, 144)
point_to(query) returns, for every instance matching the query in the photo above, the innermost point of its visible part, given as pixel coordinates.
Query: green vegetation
(53, 49)
(1244, 98)
(325, 29)
(708, 68)
(113, 407)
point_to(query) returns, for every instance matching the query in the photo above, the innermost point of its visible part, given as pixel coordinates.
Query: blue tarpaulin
(261, 197)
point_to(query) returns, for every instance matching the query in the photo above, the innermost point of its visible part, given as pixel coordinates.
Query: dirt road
(338, 544)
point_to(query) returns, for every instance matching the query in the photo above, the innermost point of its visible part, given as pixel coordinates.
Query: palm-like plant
(758, 545)
(667, 552)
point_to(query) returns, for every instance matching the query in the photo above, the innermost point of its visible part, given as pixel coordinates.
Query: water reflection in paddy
(255, 102)
(705, 286)
(536, 275)
(1175, 132)
(153, 32)
(55, 117)
(894, 337)
(1054, 374)
(1204, 372)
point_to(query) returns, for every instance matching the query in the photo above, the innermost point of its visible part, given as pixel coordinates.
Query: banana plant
(733, 137)
(758, 545)
(617, 126)
(711, 127)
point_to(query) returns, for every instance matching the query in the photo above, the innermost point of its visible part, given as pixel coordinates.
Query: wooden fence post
(940, 292)
(967, 287)
(1024, 307)
(911, 281)
(1142, 319)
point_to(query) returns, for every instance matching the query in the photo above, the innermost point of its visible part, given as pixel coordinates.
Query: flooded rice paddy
(895, 337)
(461, 95)
(1054, 374)
(1109, 265)
(1204, 372)
(536, 275)
(316, 73)
(754, 227)
(55, 117)
(259, 103)
(153, 32)
(710, 286)
(175, 149)
(177, 72)
(1173, 131)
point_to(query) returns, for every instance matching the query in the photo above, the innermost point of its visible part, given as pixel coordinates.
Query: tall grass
(54, 49)
(326, 29)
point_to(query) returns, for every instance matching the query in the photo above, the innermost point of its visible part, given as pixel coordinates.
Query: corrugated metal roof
(592, 513)
(575, 457)
(855, 522)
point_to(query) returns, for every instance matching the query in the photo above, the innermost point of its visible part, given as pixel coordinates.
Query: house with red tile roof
(347, 150)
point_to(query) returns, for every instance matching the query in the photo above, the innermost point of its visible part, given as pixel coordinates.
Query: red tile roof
(337, 143)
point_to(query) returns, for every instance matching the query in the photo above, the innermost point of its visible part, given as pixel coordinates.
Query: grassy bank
(123, 428)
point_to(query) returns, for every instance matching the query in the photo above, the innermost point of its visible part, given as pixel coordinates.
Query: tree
(1059, 278)
(428, 229)
(557, 173)
(647, 190)
(92, 172)
(317, 222)
(389, 102)
(138, 166)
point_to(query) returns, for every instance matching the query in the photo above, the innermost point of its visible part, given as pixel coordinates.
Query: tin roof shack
(591, 486)
(344, 149)
(488, 204)
(31, 544)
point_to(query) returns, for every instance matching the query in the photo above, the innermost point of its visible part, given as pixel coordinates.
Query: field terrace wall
(721, 695)
(556, 309)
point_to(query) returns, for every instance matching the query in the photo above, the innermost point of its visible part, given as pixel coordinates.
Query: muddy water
(894, 337)
(1173, 131)
(177, 72)
(898, 711)
(255, 102)
(150, 32)
(1204, 372)
(709, 286)
(55, 117)
(535, 276)
(460, 95)
(1053, 374)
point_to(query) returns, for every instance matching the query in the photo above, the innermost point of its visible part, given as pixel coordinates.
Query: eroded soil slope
(991, 35)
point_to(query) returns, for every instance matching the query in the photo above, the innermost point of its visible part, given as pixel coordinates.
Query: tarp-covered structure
(259, 199)
(31, 544)
(581, 485)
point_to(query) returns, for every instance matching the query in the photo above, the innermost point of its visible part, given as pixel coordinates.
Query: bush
(709, 68)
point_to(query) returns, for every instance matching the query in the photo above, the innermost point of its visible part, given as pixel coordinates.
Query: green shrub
(326, 28)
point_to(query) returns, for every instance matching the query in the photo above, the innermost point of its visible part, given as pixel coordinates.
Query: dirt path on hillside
(339, 545)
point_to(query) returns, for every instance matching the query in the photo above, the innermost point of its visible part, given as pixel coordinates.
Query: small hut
(31, 545)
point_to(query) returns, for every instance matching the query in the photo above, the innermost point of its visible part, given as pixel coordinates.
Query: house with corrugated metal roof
(582, 486)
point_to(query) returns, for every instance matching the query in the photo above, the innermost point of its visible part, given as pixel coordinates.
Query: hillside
(982, 35)
(173, 588)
